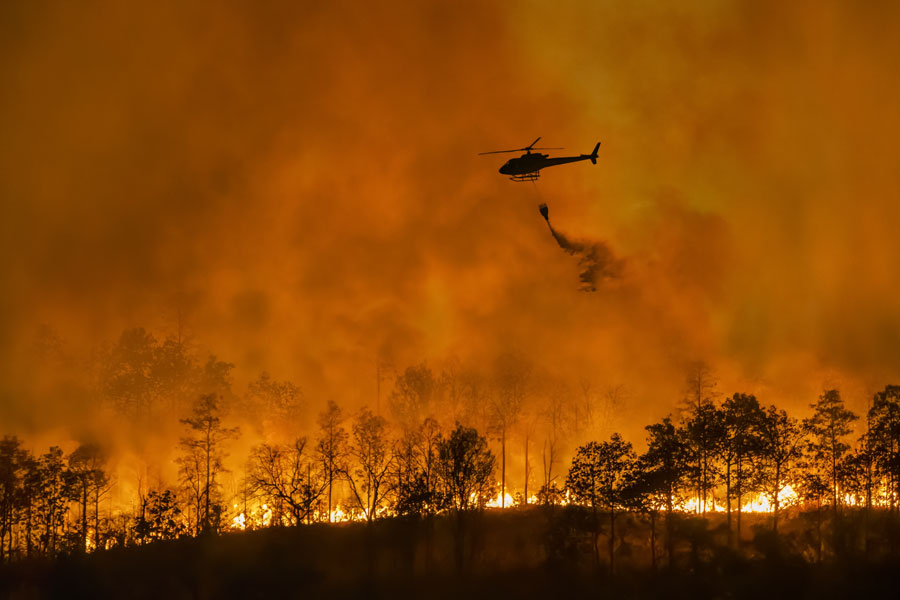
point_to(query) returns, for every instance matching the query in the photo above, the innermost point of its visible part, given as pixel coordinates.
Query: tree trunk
(330, 483)
(503, 468)
(97, 518)
(206, 494)
(775, 501)
(653, 539)
(28, 519)
(740, 493)
(728, 499)
(84, 520)
(670, 543)
(818, 530)
(526, 470)
(612, 540)
(596, 535)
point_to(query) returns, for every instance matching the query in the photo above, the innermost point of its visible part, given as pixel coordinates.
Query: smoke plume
(596, 260)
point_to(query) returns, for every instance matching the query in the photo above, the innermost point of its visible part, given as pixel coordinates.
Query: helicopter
(528, 166)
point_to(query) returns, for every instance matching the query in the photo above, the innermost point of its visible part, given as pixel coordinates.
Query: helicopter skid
(532, 176)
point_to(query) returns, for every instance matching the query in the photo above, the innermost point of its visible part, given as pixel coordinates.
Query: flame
(759, 503)
(252, 518)
(498, 502)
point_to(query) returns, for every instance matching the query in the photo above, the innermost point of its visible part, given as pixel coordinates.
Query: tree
(554, 414)
(284, 478)
(827, 428)
(370, 451)
(414, 394)
(414, 479)
(668, 461)
(781, 439)
(204, 453)
(511, 378)
(160, 518)
(276, 406)
(137, 371)
(51, 483)
(127, 375)
(599, 476)
(466, 466)
(646, 491)
(702, 427)
(174, 372)
(741, 418)
(86, 466)
(883, 439)
(331, 447)
(13, 467)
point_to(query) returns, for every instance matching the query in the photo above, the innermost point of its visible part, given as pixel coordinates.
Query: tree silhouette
(88, 477)
(127, 377)
(703, 428)
(414, 479)
(51, 483)
(599, 475)
(159, 519)
(203, 448)
(646, 492)
(369, 448)
(465, 466)
(827, 428)
(413, 397)
(331, 446)
(511, 379)
(274, 406)
(669, 464)
(781, 446)
(884, 439)
(14, 462)
(742, 417)
(283, 477)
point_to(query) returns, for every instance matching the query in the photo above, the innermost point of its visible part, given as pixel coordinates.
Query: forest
(720, 476)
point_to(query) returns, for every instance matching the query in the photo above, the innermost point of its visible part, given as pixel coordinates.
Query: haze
(298, 182)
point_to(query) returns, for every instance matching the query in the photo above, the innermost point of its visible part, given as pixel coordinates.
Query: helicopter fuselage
(532, 162)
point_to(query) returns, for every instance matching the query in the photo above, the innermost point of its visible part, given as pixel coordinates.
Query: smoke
(174, 167)
(596, 260)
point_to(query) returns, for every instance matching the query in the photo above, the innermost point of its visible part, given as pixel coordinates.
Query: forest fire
(259, 292)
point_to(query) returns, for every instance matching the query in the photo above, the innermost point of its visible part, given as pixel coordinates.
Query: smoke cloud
(295, 188)
(595, 259)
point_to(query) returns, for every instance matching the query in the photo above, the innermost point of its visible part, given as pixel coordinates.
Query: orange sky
(302, 180)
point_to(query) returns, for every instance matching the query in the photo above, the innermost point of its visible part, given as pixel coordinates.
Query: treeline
(725, 453)
(717, 453)
(438, 443)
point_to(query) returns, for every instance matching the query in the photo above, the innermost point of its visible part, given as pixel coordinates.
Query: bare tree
(331, 446)
(701, 427)
(86, 466)
(511, 380)
(284, 477)
(370, 450)
(204, 449)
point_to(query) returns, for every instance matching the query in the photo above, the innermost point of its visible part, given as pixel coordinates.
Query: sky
(301, 182)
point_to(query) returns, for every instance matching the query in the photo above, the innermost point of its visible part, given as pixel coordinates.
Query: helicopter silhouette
(528, 166)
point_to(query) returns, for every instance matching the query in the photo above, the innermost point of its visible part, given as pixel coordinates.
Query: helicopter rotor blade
(501, 151)
(528, 148)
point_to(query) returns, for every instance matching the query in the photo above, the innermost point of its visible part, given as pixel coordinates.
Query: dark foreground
(515, 554)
